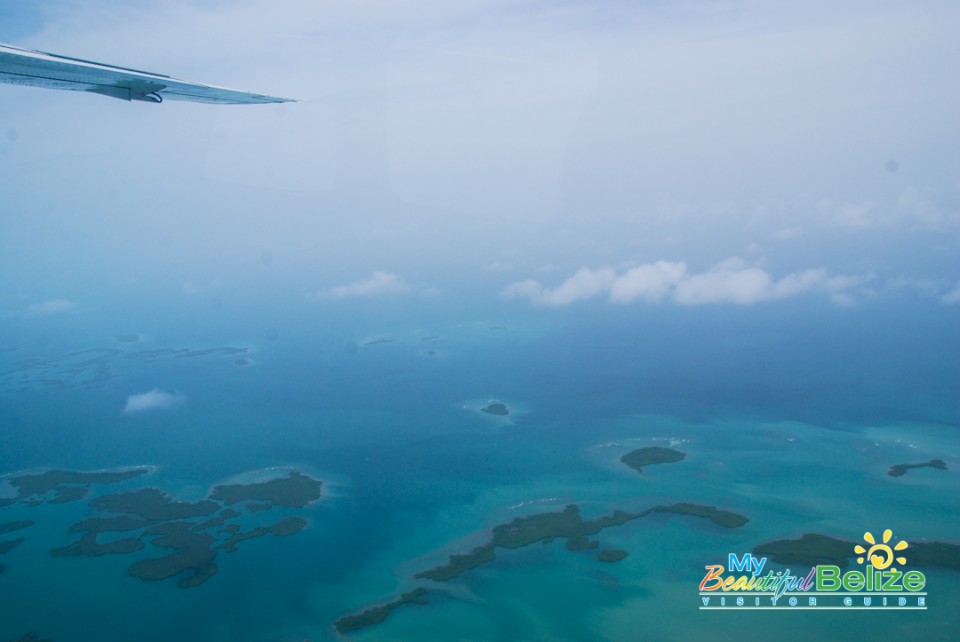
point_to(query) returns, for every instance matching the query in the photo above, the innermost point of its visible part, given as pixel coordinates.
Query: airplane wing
(39, 69)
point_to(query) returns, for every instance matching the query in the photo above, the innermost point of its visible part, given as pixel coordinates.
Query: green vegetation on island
(641, 457)
(284, 528)
(898, 470)
(459, 564)
(942, 554)
(294, 491)
(9, 545)
(191, 551)
(719, 517)
(812, 549)
(498, 409)
(611, 556)
(88, 546)
(154, 505)
(568, 524)
(67, 494)
(378, 614)
(64, 484)
(152, 518)
(218, 520)
(543, 527)
(119, 523)
(10, 527)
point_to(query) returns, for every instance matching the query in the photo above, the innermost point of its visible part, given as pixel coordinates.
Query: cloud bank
(380, 283)
(731, 281)
(155, 399)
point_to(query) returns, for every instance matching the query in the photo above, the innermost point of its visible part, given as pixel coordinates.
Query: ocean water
(790, 414)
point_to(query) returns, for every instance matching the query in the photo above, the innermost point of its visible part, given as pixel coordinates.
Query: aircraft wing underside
(39, 69)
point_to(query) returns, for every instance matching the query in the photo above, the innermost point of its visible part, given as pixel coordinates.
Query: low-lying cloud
(731, 281)
(379, 283)
(155, 399)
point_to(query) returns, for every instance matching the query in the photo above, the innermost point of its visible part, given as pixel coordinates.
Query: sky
(544, 154)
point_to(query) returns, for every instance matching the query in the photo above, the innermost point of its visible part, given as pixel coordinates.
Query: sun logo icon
(880, 555)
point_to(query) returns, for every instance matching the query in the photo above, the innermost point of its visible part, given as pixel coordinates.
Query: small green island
(899, 470)
(641, 457)
(498, 409)
(612, 556)
(296, 490)
(544, 527)
(809, 550)
(812, 549)
(725, 518)
(378, 614)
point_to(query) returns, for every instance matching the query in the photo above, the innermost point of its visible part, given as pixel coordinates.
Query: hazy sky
(727, 152)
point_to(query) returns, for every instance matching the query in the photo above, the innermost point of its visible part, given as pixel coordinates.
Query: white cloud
(585, 284)
(154, 399)
(49, 308)
(725, 283)
(651, 282)
(529, 289)
(731, 281)
(380, 283)
(952, 297)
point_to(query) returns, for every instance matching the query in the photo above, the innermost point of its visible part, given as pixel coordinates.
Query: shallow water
(788, 419)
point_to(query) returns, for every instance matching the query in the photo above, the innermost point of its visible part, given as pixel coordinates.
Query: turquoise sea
(790, 415)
